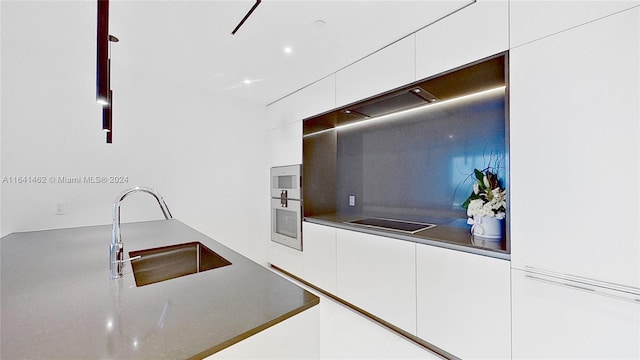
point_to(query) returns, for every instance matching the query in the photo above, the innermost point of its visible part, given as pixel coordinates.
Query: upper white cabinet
(378, 274)
(319, 244)
(317, 97)
(390, 67)
(475, 32)
(464, 303)
(285, 144)
(575, 159)
(560, 319)
(284, 134)
(534, 19)
(311, 100)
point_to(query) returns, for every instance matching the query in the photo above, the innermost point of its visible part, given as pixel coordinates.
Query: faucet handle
(129, 259)
(116, 266)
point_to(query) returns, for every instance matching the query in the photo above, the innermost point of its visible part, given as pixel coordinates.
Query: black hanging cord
(246, 17)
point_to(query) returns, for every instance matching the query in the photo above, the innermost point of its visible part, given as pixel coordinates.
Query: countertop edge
(314, 300)
(431, 242)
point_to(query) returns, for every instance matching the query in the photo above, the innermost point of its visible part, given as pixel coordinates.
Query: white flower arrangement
(487, 198)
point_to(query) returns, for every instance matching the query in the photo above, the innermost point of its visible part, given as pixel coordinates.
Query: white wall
(200, 150)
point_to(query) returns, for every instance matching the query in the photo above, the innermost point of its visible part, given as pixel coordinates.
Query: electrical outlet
(60, 208)
(352, 200)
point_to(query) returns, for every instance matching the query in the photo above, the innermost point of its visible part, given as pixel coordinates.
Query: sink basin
(169, 262)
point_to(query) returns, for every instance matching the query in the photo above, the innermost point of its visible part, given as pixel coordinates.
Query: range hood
(394, 102)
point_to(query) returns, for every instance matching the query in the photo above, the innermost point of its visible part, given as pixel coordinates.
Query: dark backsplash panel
(418, 167)
(319, 174)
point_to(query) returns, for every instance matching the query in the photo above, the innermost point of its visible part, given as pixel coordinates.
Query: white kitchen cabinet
(316, 263)
(286, 258)
(561, 319)
(317, 97)
(297, 337)
(464, 303)
(285, 144)
(282, 112)
(378, 274)
(475, 32)
(574, 155)
(284, 117)
(319, 244)
(386, 69)
(535, 19)
(313, 99)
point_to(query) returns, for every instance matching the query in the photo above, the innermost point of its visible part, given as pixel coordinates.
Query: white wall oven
(286, 206)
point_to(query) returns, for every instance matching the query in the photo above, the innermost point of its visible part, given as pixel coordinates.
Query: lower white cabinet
(319, 244)
(286, 258)
(563, 319)
(464, 304)
(378, 274)
(295, 338)
(457, 301)
(316, 263)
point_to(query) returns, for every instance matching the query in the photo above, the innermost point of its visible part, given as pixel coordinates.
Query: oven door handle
(283, 198)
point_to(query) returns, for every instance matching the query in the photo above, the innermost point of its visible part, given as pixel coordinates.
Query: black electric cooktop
(397, 225)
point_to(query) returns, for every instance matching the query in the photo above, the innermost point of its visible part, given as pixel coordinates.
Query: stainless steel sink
(169, 262)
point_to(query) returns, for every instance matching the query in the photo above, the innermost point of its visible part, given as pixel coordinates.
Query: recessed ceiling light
(246, 81)
(288, 50)
(319, 23)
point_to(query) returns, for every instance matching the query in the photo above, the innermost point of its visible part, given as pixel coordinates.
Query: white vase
(487, 227)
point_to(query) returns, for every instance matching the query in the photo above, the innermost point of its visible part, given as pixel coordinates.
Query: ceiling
(191, 40)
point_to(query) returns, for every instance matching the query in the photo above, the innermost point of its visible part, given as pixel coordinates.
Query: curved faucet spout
(116, 257)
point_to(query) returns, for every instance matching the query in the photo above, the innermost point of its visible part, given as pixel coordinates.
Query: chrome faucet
(116, 257)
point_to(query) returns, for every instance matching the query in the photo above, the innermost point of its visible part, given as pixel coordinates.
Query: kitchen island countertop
(57, 300)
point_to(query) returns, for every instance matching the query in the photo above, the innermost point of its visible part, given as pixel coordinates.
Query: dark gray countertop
(453, 234)
(57, 300)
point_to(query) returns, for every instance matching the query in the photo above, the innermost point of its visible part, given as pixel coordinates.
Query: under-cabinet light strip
(432, 105)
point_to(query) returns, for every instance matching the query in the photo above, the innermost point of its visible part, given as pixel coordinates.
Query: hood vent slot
(403, 100)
